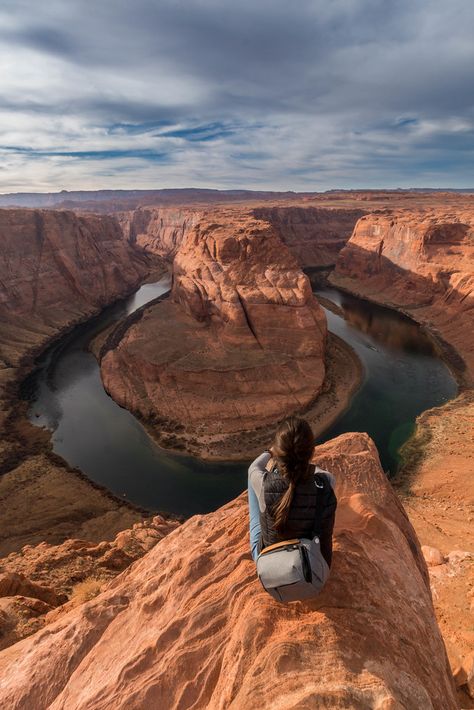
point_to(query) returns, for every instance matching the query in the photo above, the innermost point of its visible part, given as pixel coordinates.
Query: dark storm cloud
(338, 93)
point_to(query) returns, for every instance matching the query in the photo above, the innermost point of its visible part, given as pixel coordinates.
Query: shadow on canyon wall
(314, 235)
(370, 275)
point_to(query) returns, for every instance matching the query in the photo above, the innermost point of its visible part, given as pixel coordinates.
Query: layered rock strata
(56, 269)
(159, 231)
(314, 235)
(239, 345)
(189, 626)
(43, 581)
(421, 262)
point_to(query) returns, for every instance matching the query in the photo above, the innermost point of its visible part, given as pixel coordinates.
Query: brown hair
(292, 449)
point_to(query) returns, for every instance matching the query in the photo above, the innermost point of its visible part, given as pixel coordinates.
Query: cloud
(213, 93)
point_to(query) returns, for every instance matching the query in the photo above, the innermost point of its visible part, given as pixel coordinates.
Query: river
(403, 376)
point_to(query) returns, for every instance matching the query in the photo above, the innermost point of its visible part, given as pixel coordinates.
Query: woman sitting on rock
(289, 498)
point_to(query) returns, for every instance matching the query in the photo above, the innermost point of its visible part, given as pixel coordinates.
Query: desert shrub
(87, 589)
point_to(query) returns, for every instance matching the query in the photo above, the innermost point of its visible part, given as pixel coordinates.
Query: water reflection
(403, 374)
(391, 329)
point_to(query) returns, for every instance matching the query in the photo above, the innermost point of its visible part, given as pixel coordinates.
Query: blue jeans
(254, 517)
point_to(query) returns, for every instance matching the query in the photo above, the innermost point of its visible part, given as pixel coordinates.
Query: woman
(288, 496)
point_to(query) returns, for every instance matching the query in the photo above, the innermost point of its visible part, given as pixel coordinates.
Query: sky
(258, 94)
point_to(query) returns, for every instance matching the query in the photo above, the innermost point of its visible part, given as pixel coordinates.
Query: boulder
(432, 556)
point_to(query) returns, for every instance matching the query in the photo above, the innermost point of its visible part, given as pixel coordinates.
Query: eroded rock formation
(314, 235)
(42, 581)
(239, 345)
(158, 230)
(56, 269)
(421, 261)
(188, 625)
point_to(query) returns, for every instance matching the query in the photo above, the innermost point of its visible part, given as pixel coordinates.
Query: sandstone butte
(247, 346)
(188, 625)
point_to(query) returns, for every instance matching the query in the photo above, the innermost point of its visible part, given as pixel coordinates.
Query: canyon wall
(314, 235)
(421, 261)
(247, 345)
(57, 268)
(189, 626)
(159, 230)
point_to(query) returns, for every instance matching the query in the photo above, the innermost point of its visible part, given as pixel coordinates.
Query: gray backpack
(293, 570)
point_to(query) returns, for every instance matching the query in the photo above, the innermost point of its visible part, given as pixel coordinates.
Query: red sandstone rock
(57, 268)
(23, 606)
(468, 665)
(75, 560)
(159, 230)
(432, 555)
(239, 345)
(189, 626)
(41, 578)
(421, 261)
(314, 235)
(13, 584)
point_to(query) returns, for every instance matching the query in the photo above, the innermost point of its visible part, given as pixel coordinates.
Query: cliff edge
(188, 625)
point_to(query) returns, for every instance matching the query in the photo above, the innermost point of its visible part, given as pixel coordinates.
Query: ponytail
(282, 508)
(292, 450)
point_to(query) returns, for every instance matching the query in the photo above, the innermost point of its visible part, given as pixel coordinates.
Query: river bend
(404, 375)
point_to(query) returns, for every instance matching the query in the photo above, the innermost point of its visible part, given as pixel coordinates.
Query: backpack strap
(320, 483)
